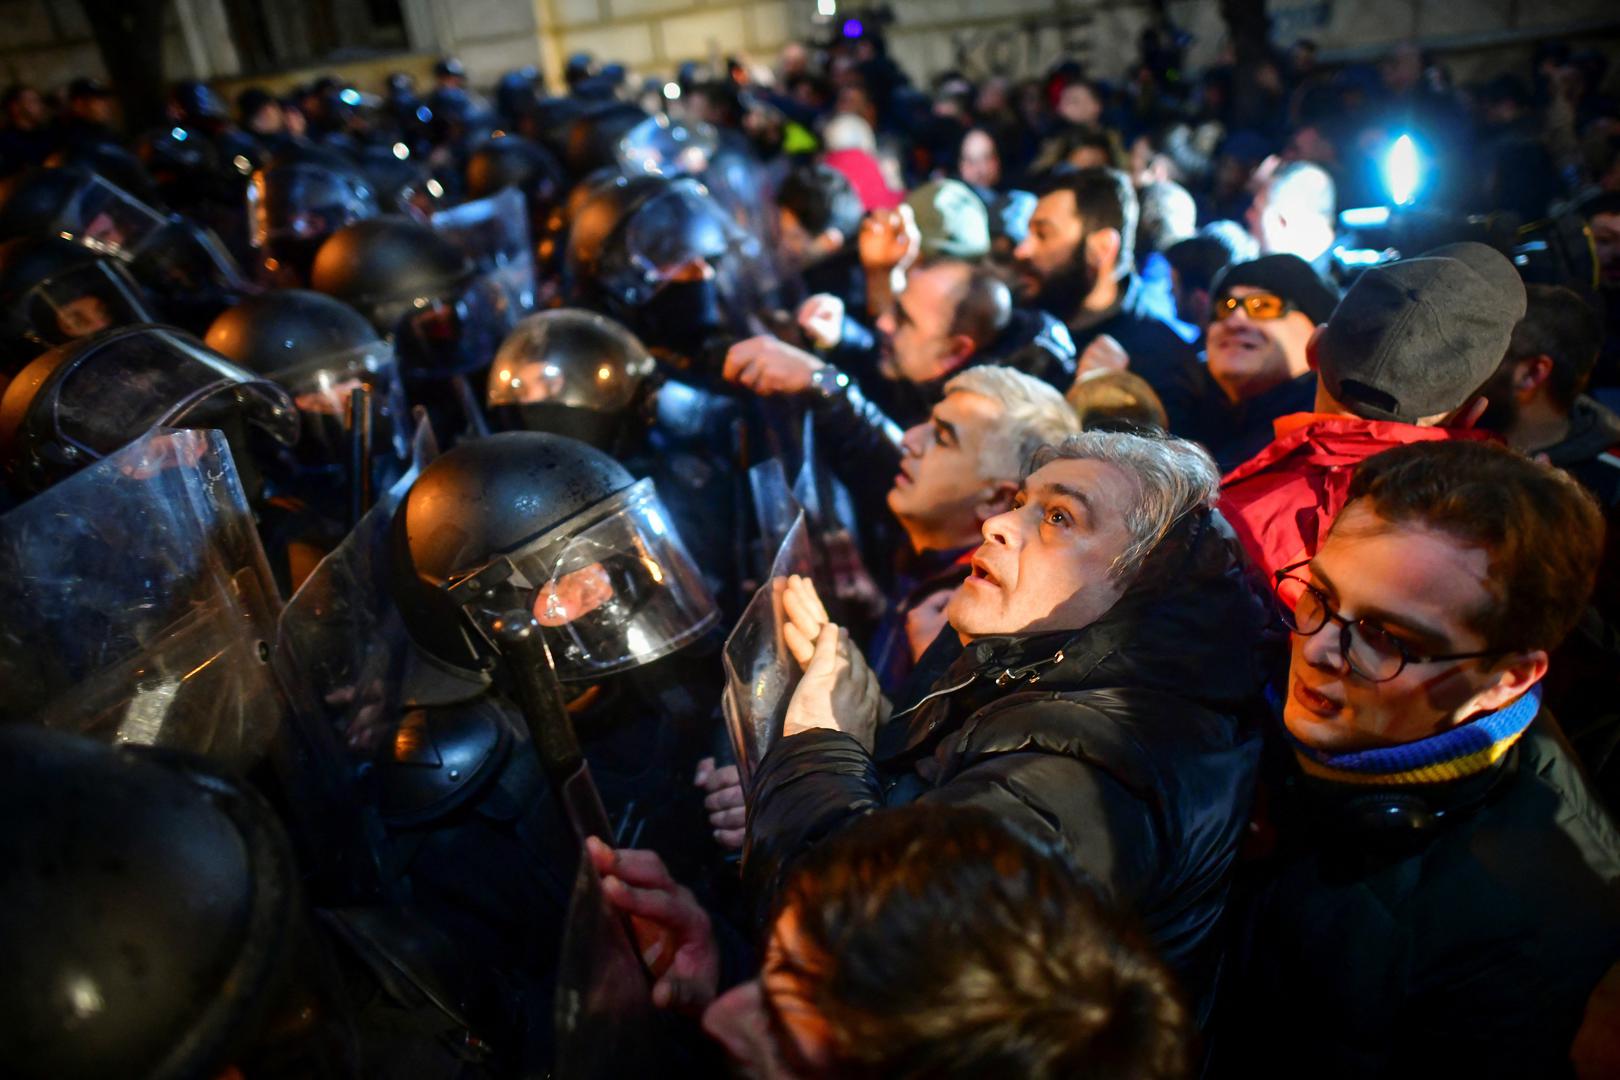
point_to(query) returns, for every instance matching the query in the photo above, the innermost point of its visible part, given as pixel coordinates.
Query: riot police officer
(295, 204)
(518, 525)
(321, 351)
(53, 291)
(445, 318)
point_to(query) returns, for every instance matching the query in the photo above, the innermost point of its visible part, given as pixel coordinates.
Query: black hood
(1593, 429)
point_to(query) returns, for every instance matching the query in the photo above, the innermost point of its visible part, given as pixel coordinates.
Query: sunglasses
(1255, 305)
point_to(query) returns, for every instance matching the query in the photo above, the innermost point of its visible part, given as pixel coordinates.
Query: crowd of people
(790, 570)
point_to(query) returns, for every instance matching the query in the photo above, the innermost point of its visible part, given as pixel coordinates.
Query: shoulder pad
(440, 757)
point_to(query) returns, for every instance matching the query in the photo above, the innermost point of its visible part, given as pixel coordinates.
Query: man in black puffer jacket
(1106, 696)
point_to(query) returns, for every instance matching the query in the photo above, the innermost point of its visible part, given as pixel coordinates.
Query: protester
(1442, 877)
(1293, 214)
(1076, 263)
(863, 283)
(957, 469)
(1400, 361)
(1537, 398)
(936, 941)
(1059, 701)
(1261, 320)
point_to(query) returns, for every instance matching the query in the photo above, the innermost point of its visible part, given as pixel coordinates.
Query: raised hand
(672, 931)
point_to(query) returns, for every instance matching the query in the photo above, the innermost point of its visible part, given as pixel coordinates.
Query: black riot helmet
(662, 256)
(293, 206)
(525, 522)
(570, 372)
(108, 158)
(193, 101)
(34, 201)
(593, 138)
(80, 402)
(419, 289)
(401, 181)
(53, 291)
(514, 161)
(320, 351)
(152, 922)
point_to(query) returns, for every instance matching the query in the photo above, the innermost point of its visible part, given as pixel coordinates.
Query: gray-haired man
(1101, 697)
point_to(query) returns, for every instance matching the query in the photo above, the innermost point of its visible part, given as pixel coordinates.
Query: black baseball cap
(1419, 337)
(1287, 276)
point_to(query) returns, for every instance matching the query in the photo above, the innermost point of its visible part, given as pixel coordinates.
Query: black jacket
(1589, 451)
(1158, 354)
(1467, 951)
(1130, 742)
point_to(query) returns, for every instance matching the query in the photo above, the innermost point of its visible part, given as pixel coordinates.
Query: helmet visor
(663, 147)
(440, 339)
(132, 382)
(612, 588)
(664, 237)
(322, 390)
(84, 301)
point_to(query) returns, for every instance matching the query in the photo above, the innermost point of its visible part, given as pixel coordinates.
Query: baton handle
(540, 698)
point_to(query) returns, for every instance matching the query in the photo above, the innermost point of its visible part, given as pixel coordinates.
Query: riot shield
(136, 604)
(494, 233)
(340, 650)
(761, 673)
(604, 1010)
(776, 508)
(830, 516)
(341, 636)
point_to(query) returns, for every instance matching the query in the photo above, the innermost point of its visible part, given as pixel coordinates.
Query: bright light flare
(1402, 170)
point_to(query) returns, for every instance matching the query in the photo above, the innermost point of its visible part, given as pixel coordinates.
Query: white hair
(846, 131)
(1033, 414)
(1173, 477)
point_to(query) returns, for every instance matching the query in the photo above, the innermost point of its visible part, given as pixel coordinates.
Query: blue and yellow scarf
(1465, 750)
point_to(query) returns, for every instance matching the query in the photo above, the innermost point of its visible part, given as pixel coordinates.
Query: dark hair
(821, 198)
(1542, 532)
(1104, 199)
(984, 305)
(1561, 326)
(1199, 259)
(937, 941)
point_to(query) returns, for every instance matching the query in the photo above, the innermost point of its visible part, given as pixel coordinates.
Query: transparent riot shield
(604, 1011)
(761, 673)
(776, 508)
(494, 233)
(830, 516)
(341, 649)
(341, 637)
(136, 604)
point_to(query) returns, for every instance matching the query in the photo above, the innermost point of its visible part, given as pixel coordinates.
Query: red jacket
(1281, 501)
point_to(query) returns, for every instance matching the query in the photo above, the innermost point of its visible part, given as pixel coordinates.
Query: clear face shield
(612, 588)
(441, 338)
(322, 390)
(83, 301)
(569, 358)
(660, 146)
(305, 203)
(494, 234)
(665, 238)
(148, 377)
(136, 605)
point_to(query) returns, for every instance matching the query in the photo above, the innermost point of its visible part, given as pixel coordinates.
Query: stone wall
(48, 42)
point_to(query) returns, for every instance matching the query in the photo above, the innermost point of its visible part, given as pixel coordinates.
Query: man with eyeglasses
(1401, 360)
(1261, 318)
(1442, 892)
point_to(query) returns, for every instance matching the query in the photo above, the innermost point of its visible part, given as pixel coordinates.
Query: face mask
(681, 317)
